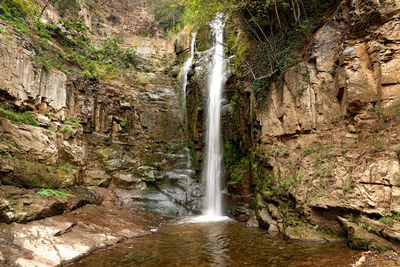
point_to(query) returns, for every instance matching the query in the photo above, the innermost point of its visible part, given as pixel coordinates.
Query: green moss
(123, 123)
(30, 174)
(73, 122)
(67, 167)
(46, 192)
(26, 117)
(69, 131)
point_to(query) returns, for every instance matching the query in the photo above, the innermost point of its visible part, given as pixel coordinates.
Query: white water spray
(213, 167)
(184, 81)
(186, 68)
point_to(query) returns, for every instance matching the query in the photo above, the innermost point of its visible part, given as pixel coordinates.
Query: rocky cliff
(329, 137)
(68, 139)
(322, 155)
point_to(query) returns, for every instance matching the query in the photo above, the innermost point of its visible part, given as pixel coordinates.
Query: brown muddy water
(219, 244)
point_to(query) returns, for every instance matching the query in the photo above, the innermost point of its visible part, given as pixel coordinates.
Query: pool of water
(219, 244)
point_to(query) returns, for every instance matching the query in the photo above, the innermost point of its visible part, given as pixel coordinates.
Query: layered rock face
(119, 143)
(329, 138)
(124, 133)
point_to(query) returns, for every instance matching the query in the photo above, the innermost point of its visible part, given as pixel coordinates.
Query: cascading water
(213, 168)
(186, 68)
(184, 80)
(180, 193)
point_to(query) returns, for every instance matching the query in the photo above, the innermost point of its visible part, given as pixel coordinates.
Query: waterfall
(213, 168)
(186, 68)
(184, 80)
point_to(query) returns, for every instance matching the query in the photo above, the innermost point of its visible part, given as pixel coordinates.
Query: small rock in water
(252, 223)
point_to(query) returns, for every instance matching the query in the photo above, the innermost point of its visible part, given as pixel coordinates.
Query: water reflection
(219, 244)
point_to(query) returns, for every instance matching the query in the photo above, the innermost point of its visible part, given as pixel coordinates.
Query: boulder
(360, 238)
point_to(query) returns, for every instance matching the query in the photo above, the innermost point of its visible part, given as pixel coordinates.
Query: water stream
(185, 71)
(213, 167)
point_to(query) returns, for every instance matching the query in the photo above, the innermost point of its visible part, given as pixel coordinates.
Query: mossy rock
(33, 174)
(308, 232)
(360, 238)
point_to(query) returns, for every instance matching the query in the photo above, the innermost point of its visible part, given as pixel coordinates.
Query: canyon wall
(329, 137)
(125, 133)
(320, 159)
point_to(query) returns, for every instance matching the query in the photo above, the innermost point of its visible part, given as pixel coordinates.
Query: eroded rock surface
(330, 136)
(63, 238)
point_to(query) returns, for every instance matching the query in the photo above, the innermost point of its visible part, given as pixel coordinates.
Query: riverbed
(219, 244)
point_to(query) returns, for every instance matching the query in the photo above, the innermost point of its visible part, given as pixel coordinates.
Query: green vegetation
(348, 185)
(322, 156)
(69, 131)
(18, 9)
(73, 122)
(168, 14)
(390, 113)
(390, 219)
(123, 123)
(377, 140)
(46, 192)
(65, 167)
(267, 36)
(26, 117)
(69, 45)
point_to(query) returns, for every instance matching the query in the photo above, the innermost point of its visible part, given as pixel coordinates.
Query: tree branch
(251, 69)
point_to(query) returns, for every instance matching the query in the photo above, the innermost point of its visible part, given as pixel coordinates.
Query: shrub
(18, 9)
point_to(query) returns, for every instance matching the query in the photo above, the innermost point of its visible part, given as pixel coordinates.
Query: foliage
(65, 167)
(68, 43)
(69, 131)
(66, 7)
(46, 192)
(322, 156)
(18, 9)
(73, 122)
(104, 61)
(26, 117)
(123, 123)
(390, 113)
(278, 30)
(390, 219)
(167, 13)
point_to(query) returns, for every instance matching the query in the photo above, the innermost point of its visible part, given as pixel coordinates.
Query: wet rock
(260, 201)
(266, 221)
(25, 205)
(274, 211)
(175, 71)
(302, 231)
(126, 180)
(62, 238)
(252, 222)
(97, 176)
(360, 238)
